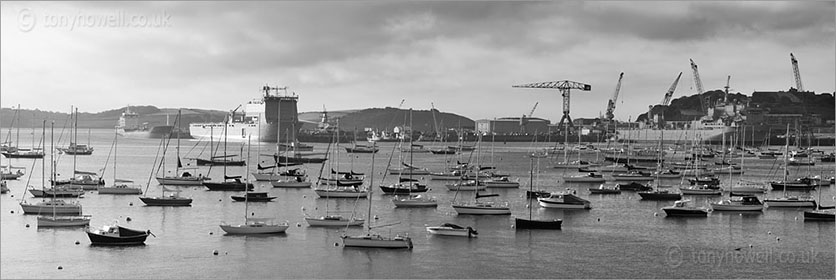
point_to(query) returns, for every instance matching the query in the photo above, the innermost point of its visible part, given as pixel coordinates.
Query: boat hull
(481, 210)
(127, 237)
(290, 184)
(735, 207)
(46, 221)
(660, 196)
(166, 201)
(825, 216)
(449, 231)
(376, 241)
(247, 229)
(181, 181)
(69, 209)
(340, 194)
(537, 224)
(227, 186)
(414, 203)
(323, 222)
(687, 212)
(119, 190)
(789, 203)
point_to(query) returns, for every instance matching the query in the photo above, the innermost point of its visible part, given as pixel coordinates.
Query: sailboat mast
(43, 164)
(530, 186)
(369, 190)
(410, 149)
(115, 148)
(786, 153)
(75, 139)
(247, 181)
(177, 150)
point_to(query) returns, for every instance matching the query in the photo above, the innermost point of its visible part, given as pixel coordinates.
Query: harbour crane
(564, 86)
(524, 119)
(797, 74)
(667, 99)
(726, 96)
(611, 103)
(435, 122)
(698, 84)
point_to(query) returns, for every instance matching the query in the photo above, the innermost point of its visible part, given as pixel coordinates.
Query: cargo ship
(261, 119)
(129, 125)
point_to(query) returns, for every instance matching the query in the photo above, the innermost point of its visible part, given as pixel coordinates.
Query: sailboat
(786, 200)
(78, 149)
(291, 178)
(16, 151)
(531, 223)
(253, 225)
(59, 207)
(230, 183)
(820, 213)
(340, 184)
(477, 207)
(658, 193)
(736, 202)
(174, 198)
(330, 219)
(120, 186)
(55, 220)
(80, 179)
(180, 179)
(374, 240)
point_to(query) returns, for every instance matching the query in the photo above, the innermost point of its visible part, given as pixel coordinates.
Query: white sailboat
(186, 178)
(253, 225)
(55, 220)
(120, 186)
(375, 240)
(477, 207)
(331, 219)
(787, 200)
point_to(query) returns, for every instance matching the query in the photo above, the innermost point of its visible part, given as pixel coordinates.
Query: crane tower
(564, 86)
(797, 74)
(698, 84)
(611, 103)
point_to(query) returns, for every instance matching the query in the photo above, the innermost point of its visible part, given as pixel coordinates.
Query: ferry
(262, 119)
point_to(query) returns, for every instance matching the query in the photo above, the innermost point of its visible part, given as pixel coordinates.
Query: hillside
(375, 118)
(108, 119)
(388, 118)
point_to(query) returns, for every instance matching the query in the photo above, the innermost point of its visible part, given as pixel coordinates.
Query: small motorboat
(605, 190)
(449, 229)
(742, 203)
(254, 197)
(634, 186)
(684, 208)
(564, 200)
(590, 177)
(115, 235)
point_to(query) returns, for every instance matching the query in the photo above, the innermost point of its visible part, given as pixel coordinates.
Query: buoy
(375, 217)
(27, 225)
(304, 196)
(336, 244)
(655, 214)
(226, 253)
(131, 204)
(215, 252)
(796, 218)
(219, 199)
(128, 219)
(750, 245)
(599, 219)
(298, 225)
(777, 239)
(513, 226)
(60, 267)
(769, 232)
(527, 205)
(211, 233)
(76, 242)
(13, 211)
(303, 208)
(13, 195)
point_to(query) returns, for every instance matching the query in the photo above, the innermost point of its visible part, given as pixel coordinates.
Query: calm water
(621, 237)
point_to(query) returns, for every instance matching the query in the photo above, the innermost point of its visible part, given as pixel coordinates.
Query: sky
(461, 57)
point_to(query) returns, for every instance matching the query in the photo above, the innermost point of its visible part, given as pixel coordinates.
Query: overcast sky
(462, 56)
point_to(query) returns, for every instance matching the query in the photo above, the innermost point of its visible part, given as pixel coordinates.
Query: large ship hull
(706, 135)
(156, 132)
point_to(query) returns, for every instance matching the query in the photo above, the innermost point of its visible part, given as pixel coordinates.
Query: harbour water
(620, 237)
